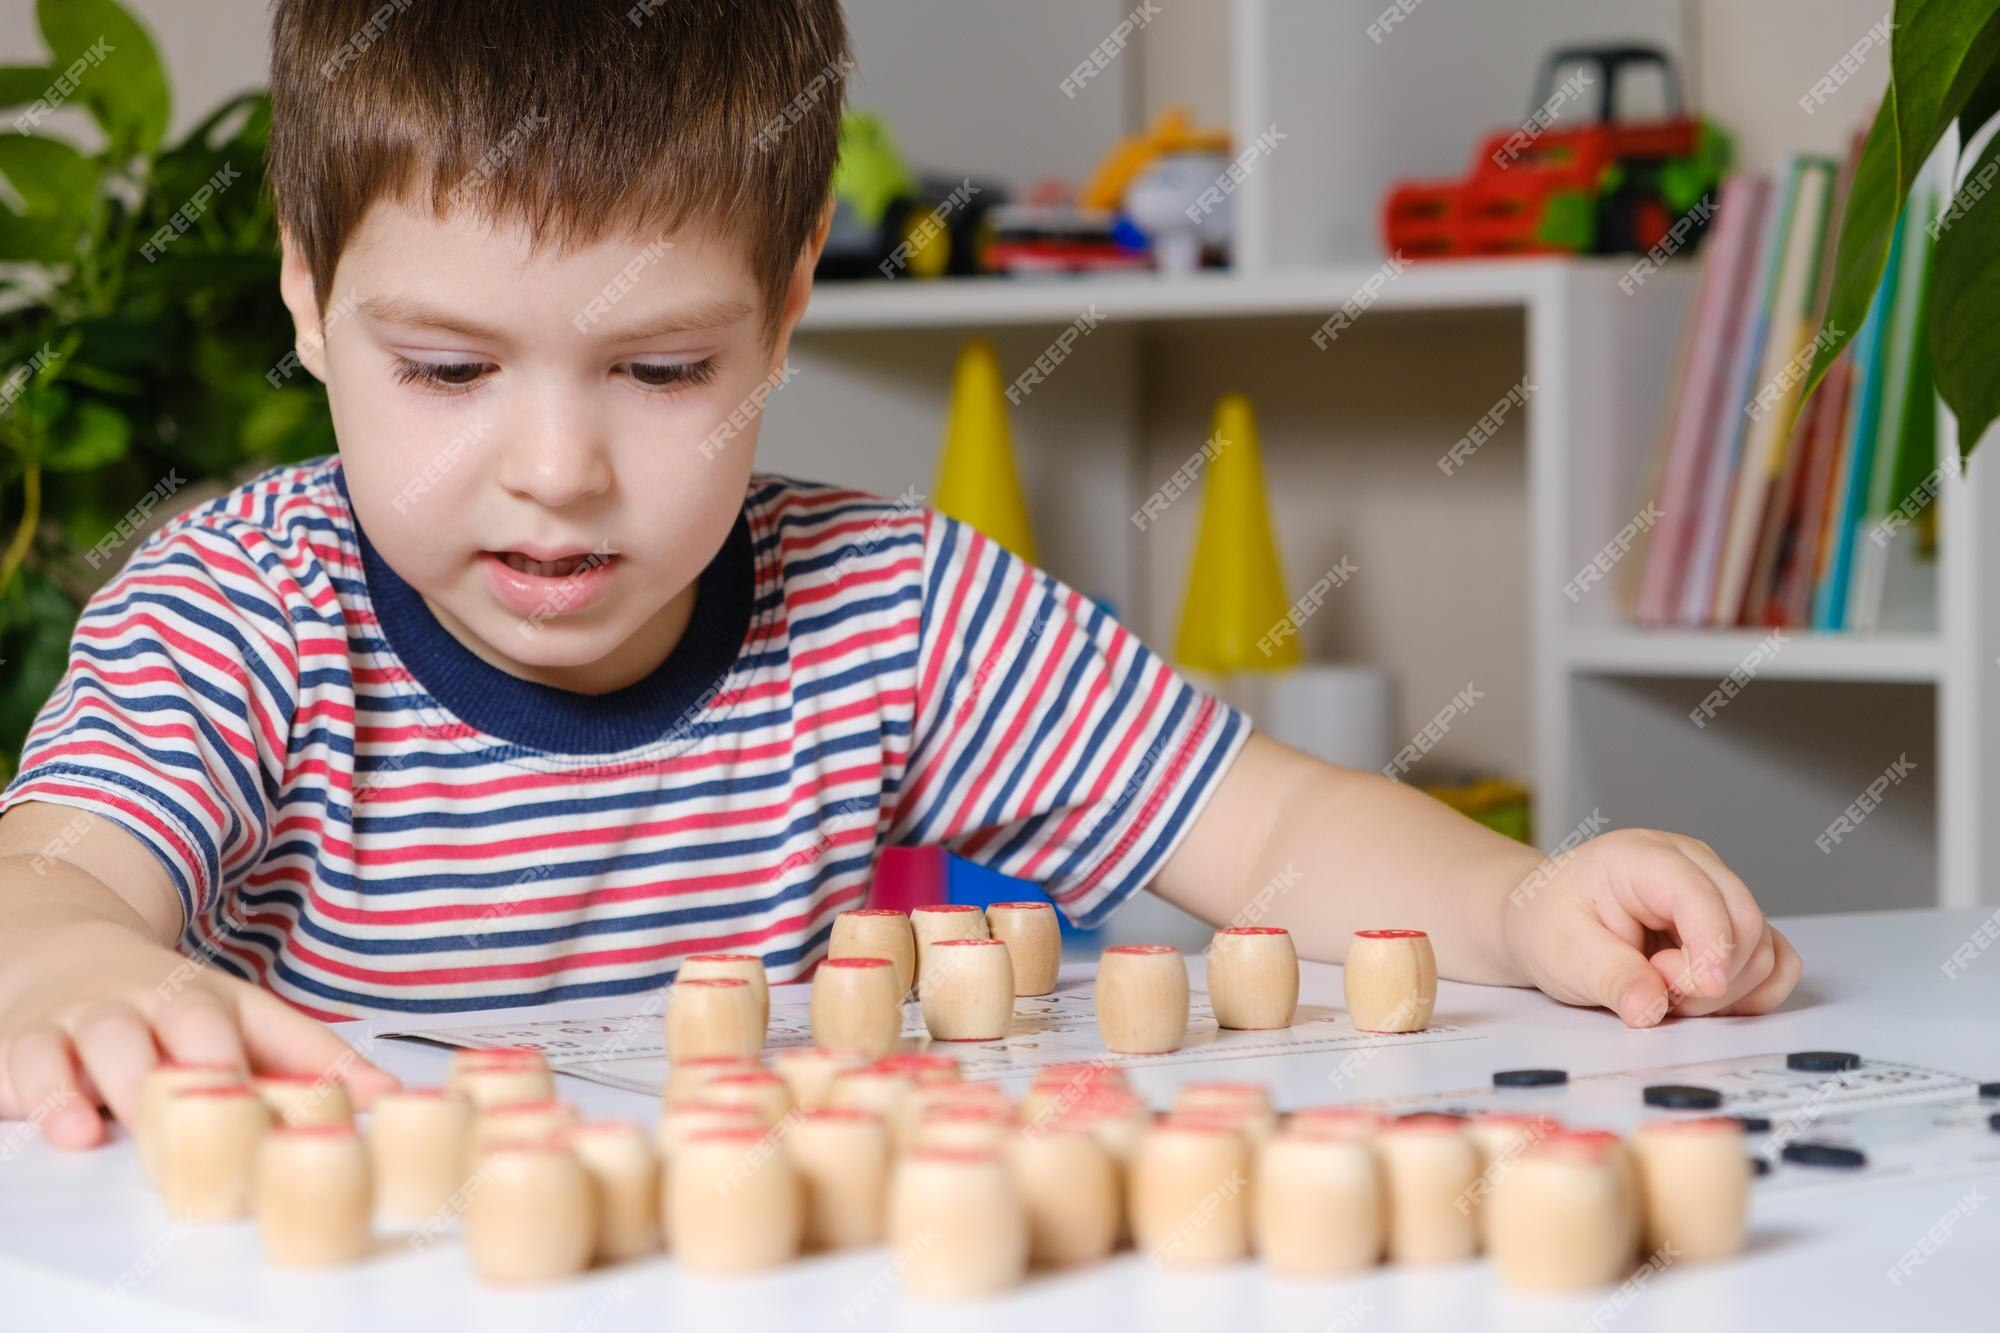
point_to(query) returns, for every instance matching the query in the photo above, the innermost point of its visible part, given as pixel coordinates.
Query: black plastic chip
(1529, 1078)
(1807, 1153)
(1682, 1097)
(1822, 1062)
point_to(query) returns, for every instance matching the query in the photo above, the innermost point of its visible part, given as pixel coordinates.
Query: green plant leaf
(52, 179)
(90, 437)
(1941, 53)
(1938, 54)
(1981, 106)
(38, 621)
(121, 80)
(1965, 291)
(21, 85)
(37, 240)
(1873, 200)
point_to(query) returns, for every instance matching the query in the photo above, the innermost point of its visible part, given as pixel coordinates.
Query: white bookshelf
(1593, 710)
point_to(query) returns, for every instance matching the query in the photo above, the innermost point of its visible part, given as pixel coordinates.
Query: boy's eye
(440, 374)
(668, 374)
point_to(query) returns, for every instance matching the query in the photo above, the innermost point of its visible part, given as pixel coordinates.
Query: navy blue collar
(559, 721)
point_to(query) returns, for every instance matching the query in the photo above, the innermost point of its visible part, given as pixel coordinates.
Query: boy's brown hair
(579, 118)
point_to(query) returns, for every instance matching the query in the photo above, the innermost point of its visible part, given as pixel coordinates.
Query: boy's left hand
(1648, 924)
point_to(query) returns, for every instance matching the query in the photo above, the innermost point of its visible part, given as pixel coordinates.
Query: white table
(73, 1225)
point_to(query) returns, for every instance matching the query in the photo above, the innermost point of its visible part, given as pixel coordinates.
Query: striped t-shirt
(364, 816)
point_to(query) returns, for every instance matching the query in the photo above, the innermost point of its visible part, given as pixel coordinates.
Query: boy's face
(543, 445)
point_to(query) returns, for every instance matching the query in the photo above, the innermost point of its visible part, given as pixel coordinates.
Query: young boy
(536, 688)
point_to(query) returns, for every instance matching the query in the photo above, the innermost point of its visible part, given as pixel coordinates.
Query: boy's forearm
(1324, 851)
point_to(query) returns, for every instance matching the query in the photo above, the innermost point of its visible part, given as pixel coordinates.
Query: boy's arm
(1640, 922)
(92, 993)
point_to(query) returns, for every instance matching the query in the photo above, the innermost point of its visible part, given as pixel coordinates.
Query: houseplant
(141, 330)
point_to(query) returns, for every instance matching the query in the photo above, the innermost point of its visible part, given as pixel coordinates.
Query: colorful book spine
(1787, 356)
(1728, 263)
(1727, 421)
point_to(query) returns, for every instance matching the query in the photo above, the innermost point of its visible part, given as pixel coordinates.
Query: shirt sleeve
(172, 715)
(1049, 742)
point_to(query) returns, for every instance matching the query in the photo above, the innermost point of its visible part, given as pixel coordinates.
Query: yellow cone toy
(977, 483)
(1236, 590)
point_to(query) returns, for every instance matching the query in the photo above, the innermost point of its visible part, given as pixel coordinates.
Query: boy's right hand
(93, 1005)
(92, 995)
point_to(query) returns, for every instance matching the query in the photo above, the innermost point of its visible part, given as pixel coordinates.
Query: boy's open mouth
(558, 568)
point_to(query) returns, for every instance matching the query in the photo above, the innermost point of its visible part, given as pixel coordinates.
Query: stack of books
(1772, 516)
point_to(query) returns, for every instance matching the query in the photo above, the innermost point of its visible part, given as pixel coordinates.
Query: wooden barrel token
(1142, 998)
(1391, 980)
(1253, 977)
(1034, 943)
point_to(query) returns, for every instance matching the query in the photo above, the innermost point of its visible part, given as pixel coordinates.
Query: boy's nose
(556, 460)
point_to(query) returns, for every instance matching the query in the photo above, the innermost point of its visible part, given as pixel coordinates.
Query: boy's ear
(295, 285)
(800, 291)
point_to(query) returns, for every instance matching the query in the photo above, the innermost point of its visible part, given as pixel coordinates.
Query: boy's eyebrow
(714, 313)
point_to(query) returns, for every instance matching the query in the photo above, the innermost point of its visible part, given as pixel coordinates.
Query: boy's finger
(197, 1027)
(116, 1048)
(1741, 904)
(1619, 977)
(43, 1074)
(1663, 890)
(282, 1040)
(1771, 992)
